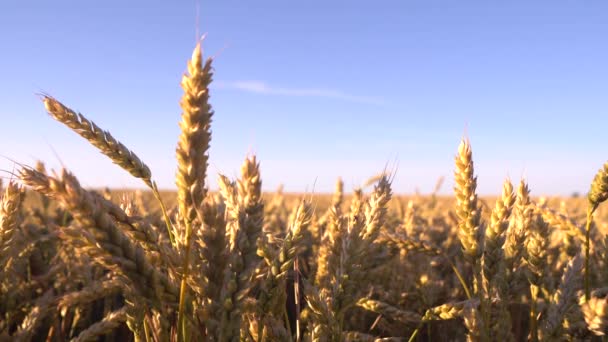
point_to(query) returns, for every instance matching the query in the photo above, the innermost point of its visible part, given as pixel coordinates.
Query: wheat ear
(535, 256)
(595, 311)
(597, 194)
(467, 209)
(245, 211)
(195, 137)
(9, 207)
(516, 234)
(273, 289)
(563, 300)
(495, 235)
(99, 138)
(388, 310)
(109, 323)
(108, 145)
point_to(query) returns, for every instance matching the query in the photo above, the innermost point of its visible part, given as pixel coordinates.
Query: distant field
(392, 298)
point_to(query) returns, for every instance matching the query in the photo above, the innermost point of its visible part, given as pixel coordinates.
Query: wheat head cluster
(240, 265)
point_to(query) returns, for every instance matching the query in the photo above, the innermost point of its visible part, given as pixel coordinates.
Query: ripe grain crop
(241, 265)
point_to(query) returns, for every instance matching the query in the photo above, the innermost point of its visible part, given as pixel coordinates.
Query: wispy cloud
(260, 87)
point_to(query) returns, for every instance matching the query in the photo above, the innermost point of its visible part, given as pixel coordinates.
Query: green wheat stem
(460, 278)
(163, 209)
(415, 333)
(533, 313)
(587, 247)
(181, 322)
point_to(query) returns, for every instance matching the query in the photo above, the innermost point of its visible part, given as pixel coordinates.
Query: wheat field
(240, 265)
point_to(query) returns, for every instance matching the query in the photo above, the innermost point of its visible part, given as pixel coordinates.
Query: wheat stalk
(493, 264)
(192, 158)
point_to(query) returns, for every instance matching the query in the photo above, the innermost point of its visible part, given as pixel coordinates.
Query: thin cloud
(260, 87)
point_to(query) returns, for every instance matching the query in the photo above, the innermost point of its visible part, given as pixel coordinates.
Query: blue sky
(317, 89)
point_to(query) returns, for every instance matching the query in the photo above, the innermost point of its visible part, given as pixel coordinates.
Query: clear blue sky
(318, 89)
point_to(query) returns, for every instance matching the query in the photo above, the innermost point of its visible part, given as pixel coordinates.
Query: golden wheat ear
(108, 145)
(9, 206)
(468, 211)
(103, 140)
(195, 137)
(467, 208)
(595, 311)
(599, 188)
